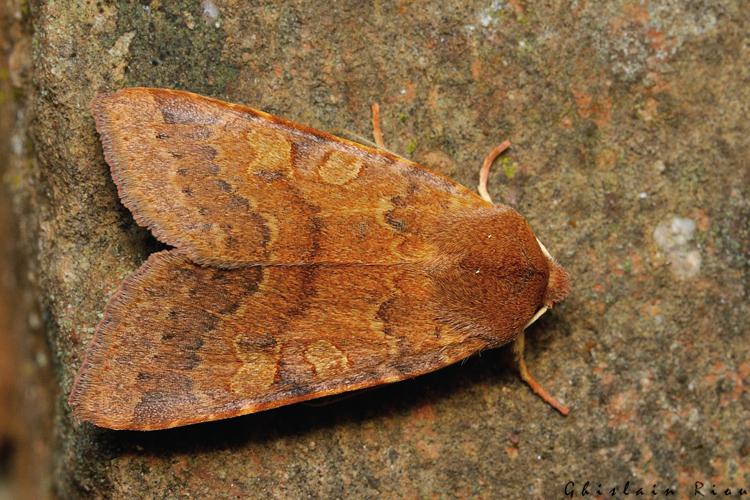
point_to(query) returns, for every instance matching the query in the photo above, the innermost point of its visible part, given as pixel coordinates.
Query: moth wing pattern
(304, 266)
(233, 186)
(242, 340)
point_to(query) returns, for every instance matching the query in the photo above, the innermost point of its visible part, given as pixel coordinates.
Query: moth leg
(484, 173)
(377, 132)
(518, 348)
(519, 343)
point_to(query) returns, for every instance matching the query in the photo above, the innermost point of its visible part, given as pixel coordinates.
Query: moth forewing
(303, 266)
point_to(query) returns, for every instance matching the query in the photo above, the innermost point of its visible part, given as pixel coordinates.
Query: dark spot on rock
(213, 169)
(183, 171)
(162, 135)
(187, 191)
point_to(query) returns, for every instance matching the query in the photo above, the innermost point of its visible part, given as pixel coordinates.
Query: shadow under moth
(303, 265)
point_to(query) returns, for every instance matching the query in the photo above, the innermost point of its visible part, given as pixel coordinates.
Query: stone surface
(624, 117)
(27, 385)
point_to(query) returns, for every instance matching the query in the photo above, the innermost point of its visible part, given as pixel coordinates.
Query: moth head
(558, 285)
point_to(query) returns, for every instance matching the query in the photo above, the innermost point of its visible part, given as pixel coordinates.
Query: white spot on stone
(694, 418)
(210, 10)
(41, 359)
(122, 45)
(643, 195)
(675, 238)
(35, 322)
(687, 265)
(17, 144)
(491, 14)
(674, 233)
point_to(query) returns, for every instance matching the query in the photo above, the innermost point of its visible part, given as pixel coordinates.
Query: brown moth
(304, 265)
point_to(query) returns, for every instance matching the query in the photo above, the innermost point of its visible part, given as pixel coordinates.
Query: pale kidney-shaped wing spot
(273, 153)
(339, 168)
(258, 370)
(326, 358)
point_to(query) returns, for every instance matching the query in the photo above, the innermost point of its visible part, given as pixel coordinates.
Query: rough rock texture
(630, 159)
(27, 384)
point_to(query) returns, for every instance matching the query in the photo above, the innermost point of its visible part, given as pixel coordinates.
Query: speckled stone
(624, 116)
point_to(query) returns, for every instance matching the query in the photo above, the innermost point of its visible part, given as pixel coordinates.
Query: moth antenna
(353, 136)
(518, 352)
(377, 132)
(484, 173)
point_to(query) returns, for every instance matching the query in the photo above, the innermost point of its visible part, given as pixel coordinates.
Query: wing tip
(79, 401)
(101, 109)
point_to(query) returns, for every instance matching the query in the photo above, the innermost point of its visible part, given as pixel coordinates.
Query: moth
(302, 265)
